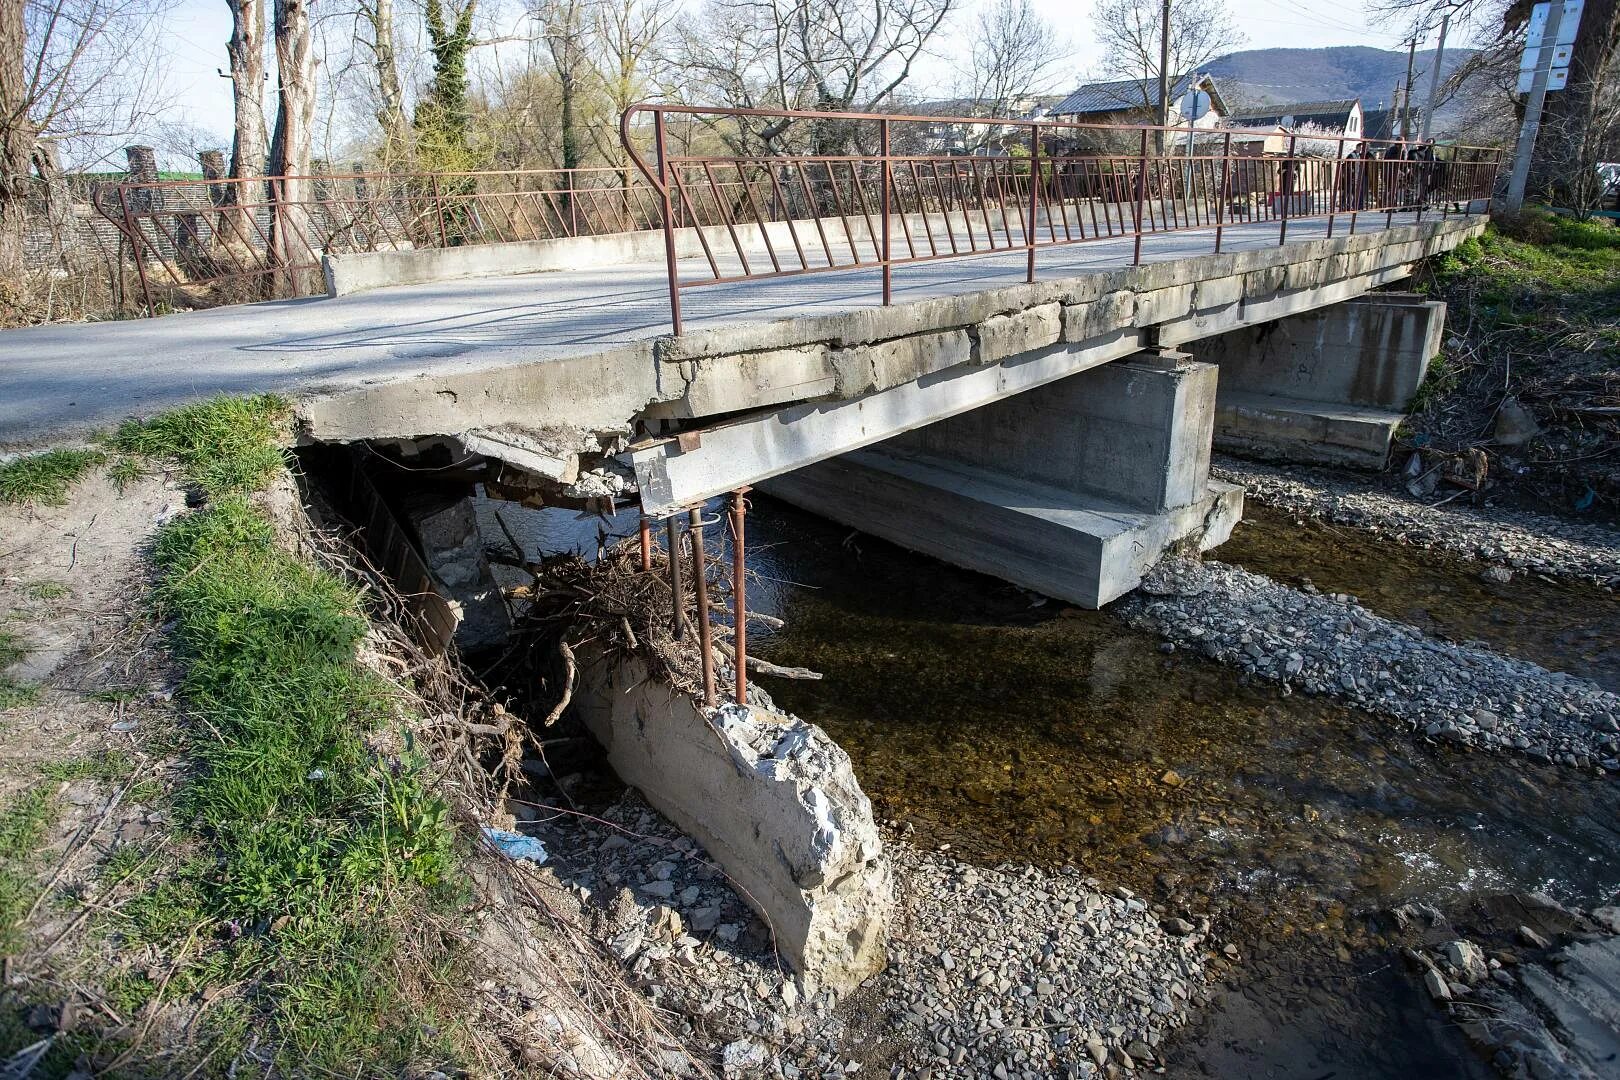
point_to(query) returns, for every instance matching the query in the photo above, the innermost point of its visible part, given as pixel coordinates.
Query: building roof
(1324, 114)
(1386, 123)
(1121, 94)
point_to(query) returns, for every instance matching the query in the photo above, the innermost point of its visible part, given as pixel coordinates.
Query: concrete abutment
(1329, 386)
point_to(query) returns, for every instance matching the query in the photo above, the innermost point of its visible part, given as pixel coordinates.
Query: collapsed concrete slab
(1330, 386)
(772, 799)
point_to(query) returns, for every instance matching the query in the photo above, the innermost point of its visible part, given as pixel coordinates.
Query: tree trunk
(391, 98)
(16, 139)
(291, 242)
(246, 52)
(1570, 113)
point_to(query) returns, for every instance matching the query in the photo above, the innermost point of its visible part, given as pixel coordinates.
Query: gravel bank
(1004, 973)
(1498, 535)
(1328, 644)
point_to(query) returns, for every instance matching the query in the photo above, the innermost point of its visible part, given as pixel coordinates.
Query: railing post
(664, 174)
(1226, 191)
(135, 246)
(438, 212)
(672, 545)
(1035, 196)
(739, 595)
(700, 585)
(1287, 188)
(888, 239)
(1141, 195)
(573, 205)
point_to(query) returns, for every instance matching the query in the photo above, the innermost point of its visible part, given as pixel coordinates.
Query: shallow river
(1016, 729)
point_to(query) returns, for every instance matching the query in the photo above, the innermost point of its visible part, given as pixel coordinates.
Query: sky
(198, 30)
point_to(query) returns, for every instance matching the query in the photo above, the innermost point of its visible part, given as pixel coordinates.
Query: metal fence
(205, 242)
(1040, 184)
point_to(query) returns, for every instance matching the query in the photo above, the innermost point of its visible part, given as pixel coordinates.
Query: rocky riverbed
(1329, 644)
(1506, 537)
(1008, 972)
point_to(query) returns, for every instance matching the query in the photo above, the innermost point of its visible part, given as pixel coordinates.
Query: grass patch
(104, 765)
(312, 856)
(13, 694)
(47, 590)
(23, 822)
(45, 479)
(223, 445)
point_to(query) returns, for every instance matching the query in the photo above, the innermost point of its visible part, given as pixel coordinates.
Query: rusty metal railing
(887, 198)
(205, 242)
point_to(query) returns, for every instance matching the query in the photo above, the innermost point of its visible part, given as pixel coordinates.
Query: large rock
(773, 800)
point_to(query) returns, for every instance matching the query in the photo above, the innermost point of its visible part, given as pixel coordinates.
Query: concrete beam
(747, 451)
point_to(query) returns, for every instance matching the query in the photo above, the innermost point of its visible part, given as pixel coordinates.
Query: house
(1342, 118)
(1136, 101)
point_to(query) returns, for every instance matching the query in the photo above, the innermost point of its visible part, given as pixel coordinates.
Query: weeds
(104, 765)
(13, 694)
(45, 479)
(47, 590)
(23, 822)
(314, 851)
(223, 445)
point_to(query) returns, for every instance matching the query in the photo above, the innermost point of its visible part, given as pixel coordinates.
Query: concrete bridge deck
(65, 381)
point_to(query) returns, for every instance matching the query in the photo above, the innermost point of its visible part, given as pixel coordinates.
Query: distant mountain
(1278, 76)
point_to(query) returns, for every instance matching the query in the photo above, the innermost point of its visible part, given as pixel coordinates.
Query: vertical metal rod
(670, 262)
(1034, 196)
(1287, 188)
(700, 585)
(1141, 196)
(134, 236)
(438, 212)
(1226, 191)
(673, 546)
(646, 543)
(739, 599)
(888, 182)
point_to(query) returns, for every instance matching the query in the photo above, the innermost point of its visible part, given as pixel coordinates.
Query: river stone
(1466, 957)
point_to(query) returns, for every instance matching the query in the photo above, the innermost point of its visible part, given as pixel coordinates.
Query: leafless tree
(77, 72)
(1130, 32)
(245, 51)
(832, 55)
(628, 37)
(1014, 56)
(564, 30)
(378, 16)
(1569, 113)
(295, 120)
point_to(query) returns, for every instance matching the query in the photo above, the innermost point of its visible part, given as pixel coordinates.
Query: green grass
(1538, 257)
(45, 479)
(47, 590)
(13, 694)
(223, 445)
(23, 822)
(103, 765)
(312, 854)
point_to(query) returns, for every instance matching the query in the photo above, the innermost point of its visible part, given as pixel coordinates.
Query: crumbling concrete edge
(772, 799)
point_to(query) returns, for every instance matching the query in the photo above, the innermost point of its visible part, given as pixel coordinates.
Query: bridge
(1009, 361)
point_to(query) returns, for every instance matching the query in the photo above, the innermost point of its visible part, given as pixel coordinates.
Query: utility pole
(1531, 125)
(1164, 71)
(1406, 98)
(1434, 74)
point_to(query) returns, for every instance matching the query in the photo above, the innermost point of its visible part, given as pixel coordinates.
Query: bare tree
(76, 71)
(378, 16)
(1131, 34)
(627, 51)
(565, 27)
(1570, 112)
(295, 120)
(1014, 57)
(830, 55)
(245, 50)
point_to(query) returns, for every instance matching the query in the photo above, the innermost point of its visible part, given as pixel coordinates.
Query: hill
(1264, 76)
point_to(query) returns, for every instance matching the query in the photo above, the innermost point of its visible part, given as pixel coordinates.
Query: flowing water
(1016, 729)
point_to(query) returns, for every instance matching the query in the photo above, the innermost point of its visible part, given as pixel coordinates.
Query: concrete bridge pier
(1329, 386)
(1073, 489)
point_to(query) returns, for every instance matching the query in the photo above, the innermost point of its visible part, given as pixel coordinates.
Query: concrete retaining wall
(771, 798)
